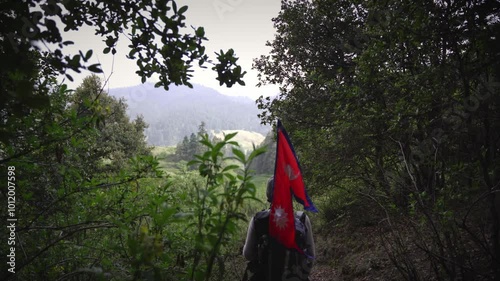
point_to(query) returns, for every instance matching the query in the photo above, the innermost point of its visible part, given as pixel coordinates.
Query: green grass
(261, 184)
(165, 155)
(251, 206)
(159, 150)
(167, 164)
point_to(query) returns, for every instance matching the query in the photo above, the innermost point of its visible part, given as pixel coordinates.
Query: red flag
(287, 181)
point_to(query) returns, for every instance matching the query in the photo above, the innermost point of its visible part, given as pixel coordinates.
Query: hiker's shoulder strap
(301, 215)
(261, 222)
(264, 214)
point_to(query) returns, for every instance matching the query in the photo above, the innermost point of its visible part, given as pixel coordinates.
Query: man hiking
(268, 259)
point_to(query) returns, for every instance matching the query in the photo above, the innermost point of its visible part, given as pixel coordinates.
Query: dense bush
(393, 109)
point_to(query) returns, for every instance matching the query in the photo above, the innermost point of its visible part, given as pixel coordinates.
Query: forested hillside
(176, 114)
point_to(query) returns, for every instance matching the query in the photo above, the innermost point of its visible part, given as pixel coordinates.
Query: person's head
(270, 189)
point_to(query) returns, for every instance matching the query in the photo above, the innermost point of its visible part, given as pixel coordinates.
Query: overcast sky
(244, 25)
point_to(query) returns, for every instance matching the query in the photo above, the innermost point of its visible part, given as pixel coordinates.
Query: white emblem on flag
(280, 217)
(289, 172)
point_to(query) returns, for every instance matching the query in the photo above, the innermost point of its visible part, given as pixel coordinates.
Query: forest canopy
(393, 106)
(29, 27)
(86, 198)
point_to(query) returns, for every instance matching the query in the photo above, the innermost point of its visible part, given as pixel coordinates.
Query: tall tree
(72, 191)
(28, 25)
(189, 147)
(400, 99)
(65, 159)
(181, 150)
(117, 138)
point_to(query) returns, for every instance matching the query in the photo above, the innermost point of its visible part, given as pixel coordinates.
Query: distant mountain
(177, 113)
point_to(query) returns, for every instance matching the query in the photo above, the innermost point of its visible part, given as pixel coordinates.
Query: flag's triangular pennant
(288, 181)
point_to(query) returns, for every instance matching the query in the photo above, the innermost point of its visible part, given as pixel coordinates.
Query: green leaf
(257, 152)
(230, 136)
(200, 32)
(233, 143)
(88, 55)
(206, 142)
(96, 68)
(174, 7)
(239, 154)
(230, 167)
(182, 10)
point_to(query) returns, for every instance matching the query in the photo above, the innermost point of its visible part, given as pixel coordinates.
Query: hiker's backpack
(275, 262)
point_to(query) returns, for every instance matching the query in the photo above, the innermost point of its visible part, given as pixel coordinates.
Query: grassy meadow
(234, 263)
(166, 158)
(169, 165)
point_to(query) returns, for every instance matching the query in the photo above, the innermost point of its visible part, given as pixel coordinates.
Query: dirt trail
(323, 273)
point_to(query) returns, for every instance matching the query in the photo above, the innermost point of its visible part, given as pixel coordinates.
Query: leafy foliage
(116, 139)
(103, 209)
(189, 147)
(28, 25)
(397, 102)
(93, 201)
(264, 164)
(218, 203)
